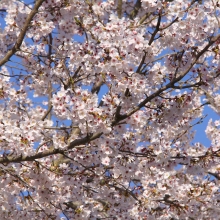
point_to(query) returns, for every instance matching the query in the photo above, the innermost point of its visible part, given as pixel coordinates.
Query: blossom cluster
(99, 106)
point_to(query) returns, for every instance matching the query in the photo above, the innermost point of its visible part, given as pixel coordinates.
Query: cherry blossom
(99, 106)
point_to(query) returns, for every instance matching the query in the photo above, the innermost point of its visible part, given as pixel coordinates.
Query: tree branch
(119, 8)
(136, 9)
(155, 31)
(77, 142)
(21, 36)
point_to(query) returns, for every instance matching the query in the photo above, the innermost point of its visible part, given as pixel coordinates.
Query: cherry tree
(70, 152)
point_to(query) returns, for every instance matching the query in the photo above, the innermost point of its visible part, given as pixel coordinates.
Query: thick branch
(75, 143)
(21, 36)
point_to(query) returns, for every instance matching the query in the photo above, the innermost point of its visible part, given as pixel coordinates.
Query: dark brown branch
(118, 117)
(155, 31)
(188, 86)
(47, 112)
(141, 63)
(96, 86)
(21, 36)
(75, 143)
(175, 20)
(76, 72)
